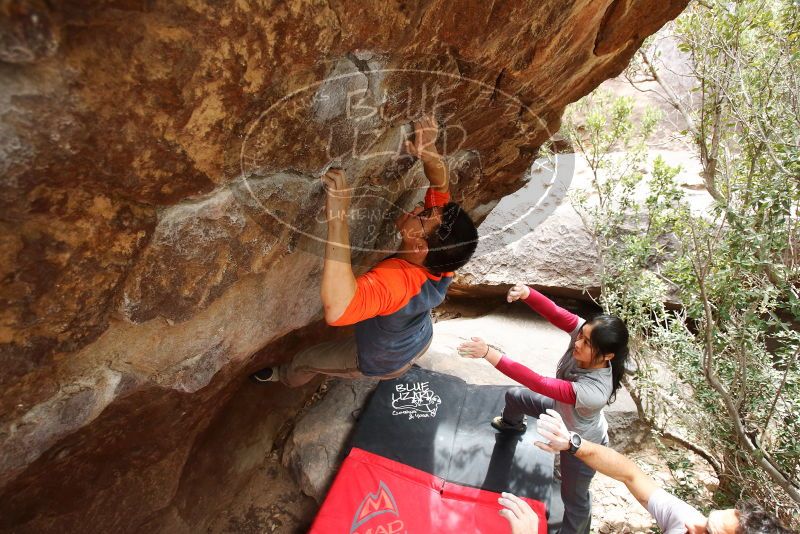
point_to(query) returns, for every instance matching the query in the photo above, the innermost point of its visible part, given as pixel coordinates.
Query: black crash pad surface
(440, 424)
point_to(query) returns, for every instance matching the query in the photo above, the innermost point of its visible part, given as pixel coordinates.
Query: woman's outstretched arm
(558, 316)
(560, 390)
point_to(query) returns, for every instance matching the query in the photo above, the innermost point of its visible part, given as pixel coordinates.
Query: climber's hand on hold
(426, 130)
(338, 195)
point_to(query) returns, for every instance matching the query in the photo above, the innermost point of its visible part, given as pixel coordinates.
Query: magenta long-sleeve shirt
(560, 390)
(548, 309)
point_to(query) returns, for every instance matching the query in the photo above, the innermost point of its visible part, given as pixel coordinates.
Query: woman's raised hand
(518, 291)
(477, 348)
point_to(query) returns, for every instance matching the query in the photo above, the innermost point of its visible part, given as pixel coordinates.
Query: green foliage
(733, 346)
(684, 484)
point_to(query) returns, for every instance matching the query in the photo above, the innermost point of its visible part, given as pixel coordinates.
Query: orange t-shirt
(391, 284)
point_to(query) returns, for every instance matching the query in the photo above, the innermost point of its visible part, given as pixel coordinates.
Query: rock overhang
(138, 258)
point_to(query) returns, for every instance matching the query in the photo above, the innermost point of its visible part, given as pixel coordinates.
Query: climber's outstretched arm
(424, 147)
(338, 280)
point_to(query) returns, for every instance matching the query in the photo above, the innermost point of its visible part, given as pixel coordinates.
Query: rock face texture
(316, 446)
(160, 213)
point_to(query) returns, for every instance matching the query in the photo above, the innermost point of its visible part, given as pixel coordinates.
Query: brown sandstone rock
(159, 208)
(29, 31)
(316, 446)
(549, 248)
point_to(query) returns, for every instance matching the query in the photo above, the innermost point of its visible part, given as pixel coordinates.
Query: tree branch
(758, 455)
(707, 155)
(780, 389)
(650, 422)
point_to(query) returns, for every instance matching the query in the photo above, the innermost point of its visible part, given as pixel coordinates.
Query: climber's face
(582, 351)
(419, 223)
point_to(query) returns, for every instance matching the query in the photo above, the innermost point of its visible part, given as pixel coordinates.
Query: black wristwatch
(574, 442)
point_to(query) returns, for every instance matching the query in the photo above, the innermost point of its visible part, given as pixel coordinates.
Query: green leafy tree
(733, 345)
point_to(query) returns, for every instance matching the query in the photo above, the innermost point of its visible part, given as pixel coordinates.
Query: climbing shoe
(503, 426)
(267, 374)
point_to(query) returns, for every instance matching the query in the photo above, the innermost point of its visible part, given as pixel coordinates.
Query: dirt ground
(270, 502)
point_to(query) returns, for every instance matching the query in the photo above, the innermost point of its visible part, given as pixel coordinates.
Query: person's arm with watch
(600, 458)
(575, 441)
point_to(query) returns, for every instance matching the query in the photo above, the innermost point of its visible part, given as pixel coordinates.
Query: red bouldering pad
(375, 495)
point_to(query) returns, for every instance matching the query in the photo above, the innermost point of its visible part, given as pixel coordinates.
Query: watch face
(574, 441)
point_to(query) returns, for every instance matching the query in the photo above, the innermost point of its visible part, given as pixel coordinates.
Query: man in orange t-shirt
(389, 305)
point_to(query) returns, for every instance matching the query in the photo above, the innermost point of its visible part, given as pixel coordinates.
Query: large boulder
(316, 446)
(536, 236)
(160, 234)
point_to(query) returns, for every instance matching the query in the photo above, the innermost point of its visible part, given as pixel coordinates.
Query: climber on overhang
(389, 305)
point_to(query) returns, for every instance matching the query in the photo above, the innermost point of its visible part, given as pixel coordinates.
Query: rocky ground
(284, 495)
(271, 502)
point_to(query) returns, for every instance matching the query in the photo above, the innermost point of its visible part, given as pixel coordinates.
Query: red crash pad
(375, 495)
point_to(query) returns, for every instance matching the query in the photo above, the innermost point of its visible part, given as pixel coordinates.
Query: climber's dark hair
(453, 242)
(754, 520)
(610, 335)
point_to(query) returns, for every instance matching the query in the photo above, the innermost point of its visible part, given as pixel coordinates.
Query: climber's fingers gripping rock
(426, 130)
(338, 194)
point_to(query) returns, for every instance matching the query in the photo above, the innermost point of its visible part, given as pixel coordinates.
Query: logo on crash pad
(416, 400)
(377, 504)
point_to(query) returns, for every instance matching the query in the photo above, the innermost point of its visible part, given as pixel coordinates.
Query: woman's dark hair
(451, 245)
(754, 520)
(610, 335)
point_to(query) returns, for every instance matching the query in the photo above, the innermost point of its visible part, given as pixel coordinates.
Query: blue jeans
(575, 475)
